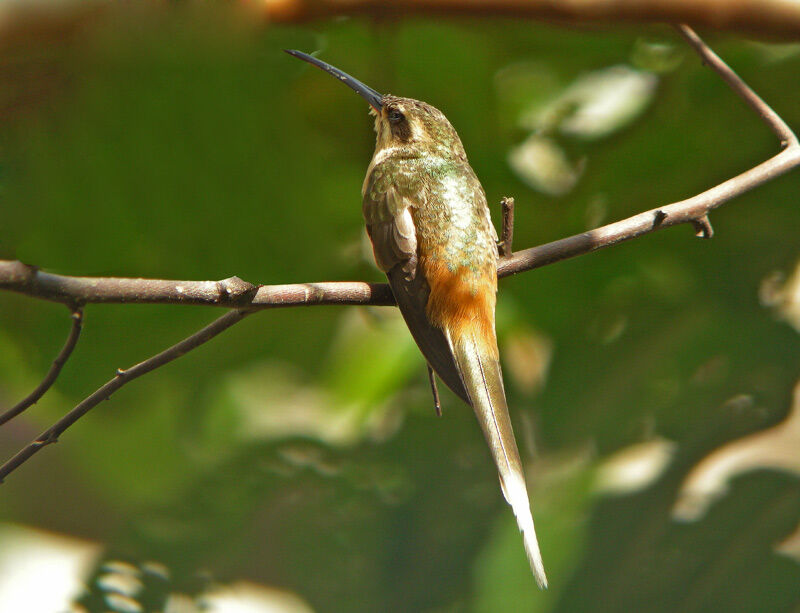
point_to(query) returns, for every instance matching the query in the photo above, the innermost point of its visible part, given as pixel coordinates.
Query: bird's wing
(387, 210)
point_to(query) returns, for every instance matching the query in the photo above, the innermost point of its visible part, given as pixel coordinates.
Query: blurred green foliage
(300, 448)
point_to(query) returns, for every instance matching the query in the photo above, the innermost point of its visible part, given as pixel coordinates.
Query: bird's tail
(480, 371)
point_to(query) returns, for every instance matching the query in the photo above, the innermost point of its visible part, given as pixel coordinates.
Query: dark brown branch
(765, 16)
(52, 374)
(122, 377)
(18, 277)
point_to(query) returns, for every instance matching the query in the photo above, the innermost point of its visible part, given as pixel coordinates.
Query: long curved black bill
(369, 94)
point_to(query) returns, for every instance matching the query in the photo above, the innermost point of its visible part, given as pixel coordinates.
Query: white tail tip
(517, 496)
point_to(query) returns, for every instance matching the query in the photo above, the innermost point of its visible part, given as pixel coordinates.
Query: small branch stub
(703, 228)
(505, 247)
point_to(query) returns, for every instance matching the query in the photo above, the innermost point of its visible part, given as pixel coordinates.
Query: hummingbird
(432, 235)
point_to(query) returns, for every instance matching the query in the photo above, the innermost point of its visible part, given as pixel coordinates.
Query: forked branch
(122, 377)
(52, 374)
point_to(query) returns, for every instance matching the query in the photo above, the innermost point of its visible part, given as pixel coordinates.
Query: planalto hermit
(431, 234)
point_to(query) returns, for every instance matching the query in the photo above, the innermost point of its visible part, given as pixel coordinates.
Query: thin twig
(122, 377)
(507, 241)
(435, 390)
(52, 374)
(762, 109)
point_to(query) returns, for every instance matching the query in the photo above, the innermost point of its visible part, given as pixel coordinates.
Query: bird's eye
(395, 116)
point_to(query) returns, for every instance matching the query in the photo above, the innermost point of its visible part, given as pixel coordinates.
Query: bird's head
(408, 127)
